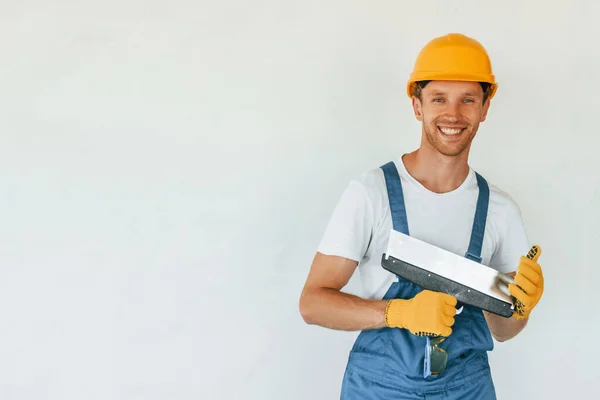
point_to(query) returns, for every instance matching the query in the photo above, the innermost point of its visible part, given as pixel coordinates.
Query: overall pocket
(470, 332)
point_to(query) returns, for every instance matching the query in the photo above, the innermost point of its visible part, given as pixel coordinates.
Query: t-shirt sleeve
(350, 226)
(513, 242)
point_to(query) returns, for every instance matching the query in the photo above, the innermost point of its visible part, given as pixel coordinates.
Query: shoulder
(370, 190)
(502, 198)
(372, 180)
(502, 206)
(372, 183)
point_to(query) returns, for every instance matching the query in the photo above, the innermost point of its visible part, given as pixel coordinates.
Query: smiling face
(451, 112)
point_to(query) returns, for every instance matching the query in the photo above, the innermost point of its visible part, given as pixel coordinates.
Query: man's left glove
(529, 284)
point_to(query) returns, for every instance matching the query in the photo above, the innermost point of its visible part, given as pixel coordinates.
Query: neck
(436, 172)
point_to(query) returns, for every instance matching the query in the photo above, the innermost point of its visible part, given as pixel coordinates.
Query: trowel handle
(503, 281)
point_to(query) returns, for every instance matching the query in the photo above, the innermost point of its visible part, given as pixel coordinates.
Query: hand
(427, 314)
(529, 284)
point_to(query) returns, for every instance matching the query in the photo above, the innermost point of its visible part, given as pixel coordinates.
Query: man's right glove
(427, 314)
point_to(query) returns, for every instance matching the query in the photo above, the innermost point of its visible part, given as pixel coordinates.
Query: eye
(438, 100)
(469, 101)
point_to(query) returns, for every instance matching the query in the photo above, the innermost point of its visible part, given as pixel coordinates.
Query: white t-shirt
(361, 222)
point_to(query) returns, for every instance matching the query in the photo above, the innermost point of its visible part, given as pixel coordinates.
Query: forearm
(504, 329)
(333, 309)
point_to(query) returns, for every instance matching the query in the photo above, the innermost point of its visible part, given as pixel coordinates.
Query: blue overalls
(387, 363)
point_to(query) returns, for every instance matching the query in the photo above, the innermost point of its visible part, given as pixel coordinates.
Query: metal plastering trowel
(436, 269)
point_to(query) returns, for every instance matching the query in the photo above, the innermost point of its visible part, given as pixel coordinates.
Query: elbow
(305, 309)
(505, 338)
(500, 339)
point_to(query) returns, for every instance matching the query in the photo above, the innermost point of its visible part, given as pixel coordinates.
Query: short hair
(419, 85)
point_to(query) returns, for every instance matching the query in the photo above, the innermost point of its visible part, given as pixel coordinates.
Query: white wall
(168, 169)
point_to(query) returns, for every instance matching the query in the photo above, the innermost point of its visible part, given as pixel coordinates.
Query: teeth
(449, 131)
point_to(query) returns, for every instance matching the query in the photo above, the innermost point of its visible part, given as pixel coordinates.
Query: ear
(486, 107)
(418, 108)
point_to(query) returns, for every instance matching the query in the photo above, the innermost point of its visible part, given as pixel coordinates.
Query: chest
(441, 221)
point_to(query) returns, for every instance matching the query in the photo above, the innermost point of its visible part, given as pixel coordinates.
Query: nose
(452, 111)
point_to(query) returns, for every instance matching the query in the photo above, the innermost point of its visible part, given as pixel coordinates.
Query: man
(438, 198)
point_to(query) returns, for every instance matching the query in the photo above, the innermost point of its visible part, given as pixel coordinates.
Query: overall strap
(478, 232)
(395, 197)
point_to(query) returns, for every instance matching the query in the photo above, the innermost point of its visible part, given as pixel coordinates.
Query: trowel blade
(434, 268)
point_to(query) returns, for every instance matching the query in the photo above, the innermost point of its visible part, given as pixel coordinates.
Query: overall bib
(387, 363)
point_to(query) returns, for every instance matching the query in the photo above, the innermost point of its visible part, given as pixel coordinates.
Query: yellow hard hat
(453, 57)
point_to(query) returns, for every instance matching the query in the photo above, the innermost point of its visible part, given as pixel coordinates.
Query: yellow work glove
(427, 314)
(529, 284)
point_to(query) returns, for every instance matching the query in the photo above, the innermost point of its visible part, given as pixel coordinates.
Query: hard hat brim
(452, 76)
